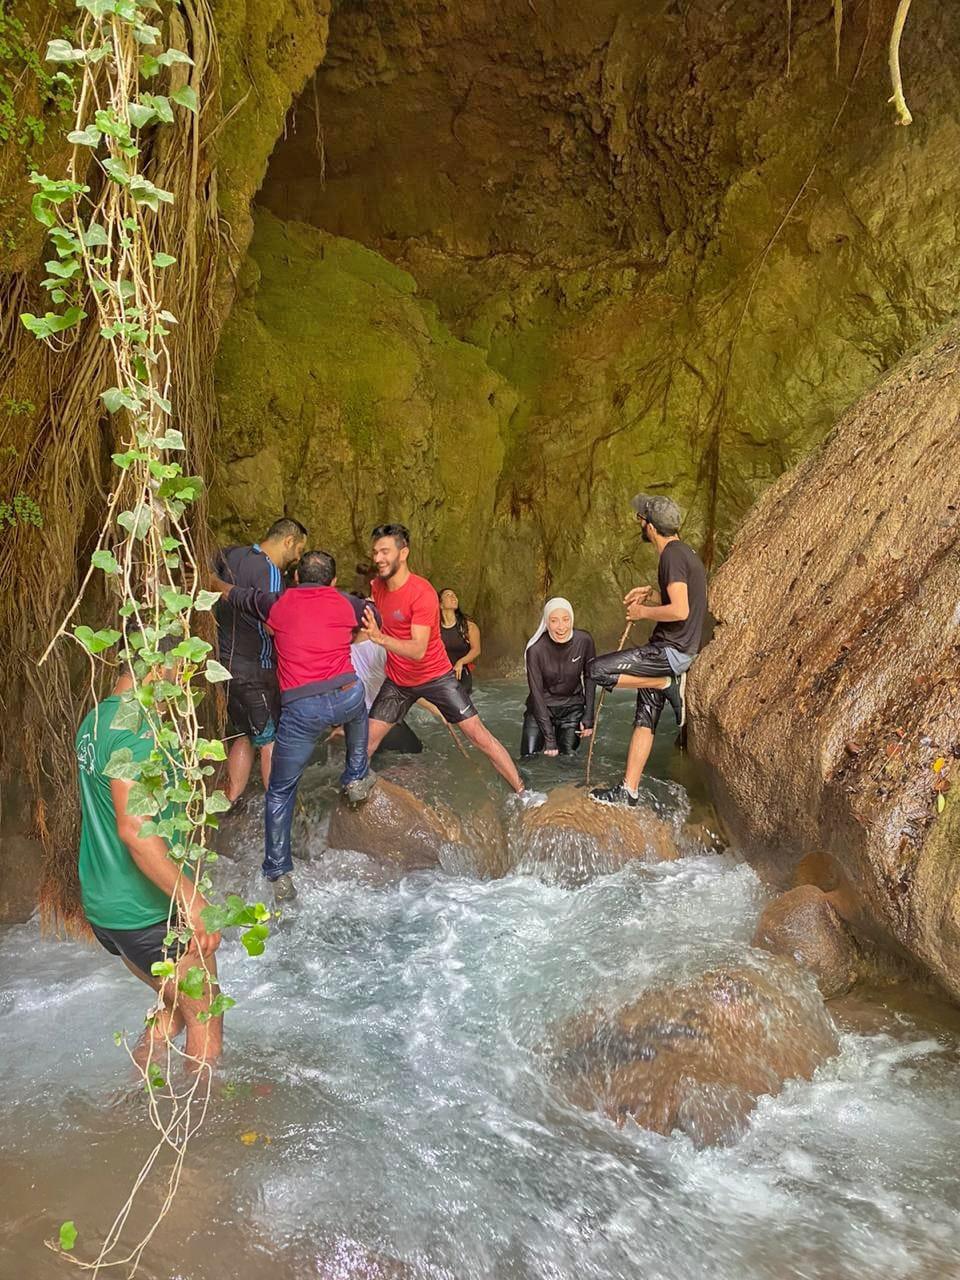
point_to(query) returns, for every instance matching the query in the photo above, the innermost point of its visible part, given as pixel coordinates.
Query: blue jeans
(302, 723)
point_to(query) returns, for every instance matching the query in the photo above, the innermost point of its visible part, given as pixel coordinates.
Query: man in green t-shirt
(127, 882)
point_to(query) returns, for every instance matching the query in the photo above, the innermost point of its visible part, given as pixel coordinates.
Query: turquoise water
(383, 1108)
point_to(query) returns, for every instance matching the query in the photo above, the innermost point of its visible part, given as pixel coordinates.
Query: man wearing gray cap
(657, 669)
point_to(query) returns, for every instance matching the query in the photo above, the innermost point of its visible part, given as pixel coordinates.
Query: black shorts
(394, 701)
(645, 660)
(253, 704)
(143, 948)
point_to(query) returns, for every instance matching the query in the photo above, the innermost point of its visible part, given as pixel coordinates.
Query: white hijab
(551, 606)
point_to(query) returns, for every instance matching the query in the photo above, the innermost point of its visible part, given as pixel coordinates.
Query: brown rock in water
(804, 925)
(697, 1056)
(839, 622)
(580, 839)
(395, 826)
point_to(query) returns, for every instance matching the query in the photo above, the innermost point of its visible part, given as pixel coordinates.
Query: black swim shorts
(644, 660)
(445, 692)
(253, 704)
(140, 947)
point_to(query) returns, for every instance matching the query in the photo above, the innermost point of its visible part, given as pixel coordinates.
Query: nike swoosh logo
(576, 659)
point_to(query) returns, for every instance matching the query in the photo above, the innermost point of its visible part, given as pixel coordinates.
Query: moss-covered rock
(345, 401)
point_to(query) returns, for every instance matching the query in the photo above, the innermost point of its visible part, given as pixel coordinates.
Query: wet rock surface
(577, 839)
(827, 706)
(804, 925)
(396, 827)
(696, 1056)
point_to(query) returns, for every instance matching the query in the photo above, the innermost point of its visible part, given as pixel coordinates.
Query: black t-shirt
(556, 674)
(244, 642)
(680, 563)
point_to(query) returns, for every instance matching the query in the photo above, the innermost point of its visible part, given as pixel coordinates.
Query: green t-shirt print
(115, 893)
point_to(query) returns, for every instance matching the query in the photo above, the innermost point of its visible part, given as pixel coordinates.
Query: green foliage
(21, 509)
(19, 58)
(68, 1236)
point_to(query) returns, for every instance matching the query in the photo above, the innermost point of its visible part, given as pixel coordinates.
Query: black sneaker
(357, 792)
(284, 890)
(614, 795)
(676, 692)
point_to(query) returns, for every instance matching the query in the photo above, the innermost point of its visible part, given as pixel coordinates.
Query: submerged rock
(827, 705)
(577, 838)
(695, 1057)
(804, 925)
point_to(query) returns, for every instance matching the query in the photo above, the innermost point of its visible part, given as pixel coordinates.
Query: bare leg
(641, 744)
(204, 1039)
(266, 759)
(492, 748)
(167, 1023)
(239, 764)
(643, 682)
(378, 730)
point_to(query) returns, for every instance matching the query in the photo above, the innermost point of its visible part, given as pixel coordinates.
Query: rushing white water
(383, 1099)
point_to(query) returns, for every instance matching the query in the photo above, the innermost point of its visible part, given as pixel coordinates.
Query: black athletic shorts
(394, 701)
(253, 704)
(141, 947)
(645, 660)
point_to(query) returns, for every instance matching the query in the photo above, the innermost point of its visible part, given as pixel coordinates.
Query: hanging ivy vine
(103, 220)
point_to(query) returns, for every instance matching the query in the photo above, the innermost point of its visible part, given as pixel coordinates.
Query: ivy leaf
(206, 600)
(141, 801)
(96, 641)
(95, 236)
(176, 601)
(124, 460)
(193, 983)
(145, 34)
(216, 672)
(140, 114)
(159, 105)
(155, 1078)
(193, 649)
(170, 439)
(62, 51)
(149, 65)
(64, 270)
(186, 96)
(117, 171)
(163, 968)
(44, 326)
(220, 1004)
(105, 560)
(136, 524)
(128, 714)
(210, 749)
(145, 192)
(116, 398)
(172, 56)
(88, 137)
(254, 939)
(217, 802)
(163, 260)
(122, 765)
(68, 1235)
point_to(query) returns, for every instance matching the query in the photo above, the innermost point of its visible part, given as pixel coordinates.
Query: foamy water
(384, 1100)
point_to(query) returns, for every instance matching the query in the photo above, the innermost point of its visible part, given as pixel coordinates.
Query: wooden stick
(603, 694)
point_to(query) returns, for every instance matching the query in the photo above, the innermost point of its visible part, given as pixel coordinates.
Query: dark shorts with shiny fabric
(140, 947)
(445, 693)
(645, 660)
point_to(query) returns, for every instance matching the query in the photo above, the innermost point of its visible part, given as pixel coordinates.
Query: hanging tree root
(603, 694)
(898, 100)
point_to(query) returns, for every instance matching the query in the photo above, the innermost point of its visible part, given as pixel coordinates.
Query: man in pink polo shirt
(417, 662)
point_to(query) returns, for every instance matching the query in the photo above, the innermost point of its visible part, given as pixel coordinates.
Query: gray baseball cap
(663, 513)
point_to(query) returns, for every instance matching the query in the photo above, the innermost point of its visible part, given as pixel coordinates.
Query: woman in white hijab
(559, 710)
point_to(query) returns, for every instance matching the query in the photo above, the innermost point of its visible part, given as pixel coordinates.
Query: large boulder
(576, 838)
(394, 826)
(827, 706)
(805, 925)
(696, 1057)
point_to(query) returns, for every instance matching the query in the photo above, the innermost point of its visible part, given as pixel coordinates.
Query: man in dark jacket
(312, 624)
(246, 650)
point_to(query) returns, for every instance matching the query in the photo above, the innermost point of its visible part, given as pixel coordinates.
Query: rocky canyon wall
(674, 238)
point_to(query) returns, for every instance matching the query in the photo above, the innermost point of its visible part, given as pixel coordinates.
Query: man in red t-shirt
(417, 662)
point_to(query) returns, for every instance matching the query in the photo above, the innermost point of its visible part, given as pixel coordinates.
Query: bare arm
(676, 610)
(473, 653)
(151, 856)
(413, 648)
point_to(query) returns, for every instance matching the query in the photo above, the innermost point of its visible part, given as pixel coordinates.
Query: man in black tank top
(657, 669)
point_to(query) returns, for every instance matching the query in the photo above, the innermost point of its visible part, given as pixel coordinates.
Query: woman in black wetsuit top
(460, 636)
(559, 710)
